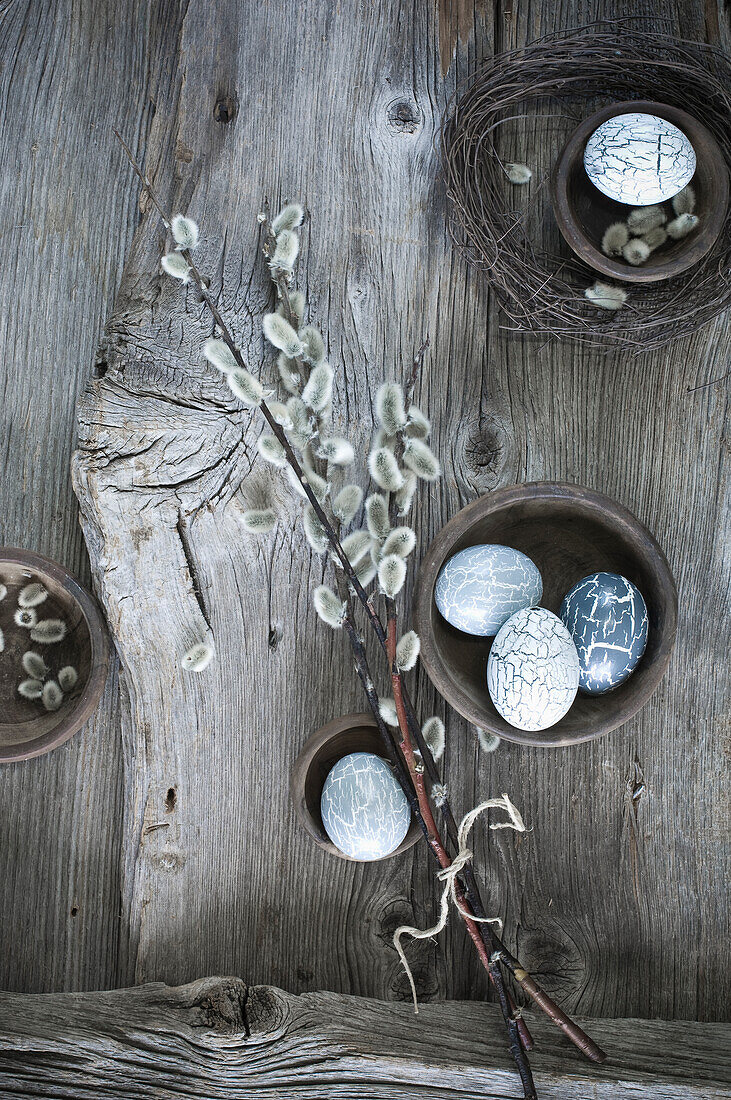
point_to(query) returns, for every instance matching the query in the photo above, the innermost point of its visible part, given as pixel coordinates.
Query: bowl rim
(301, 769)
(578, 242)
(440, 547)
(99, 660)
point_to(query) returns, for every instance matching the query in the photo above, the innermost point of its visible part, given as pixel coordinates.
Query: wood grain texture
(597, 897)
(68, 73)
(178, 854)
(153, 1041)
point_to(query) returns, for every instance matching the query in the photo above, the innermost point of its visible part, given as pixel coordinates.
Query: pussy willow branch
(582, 1041)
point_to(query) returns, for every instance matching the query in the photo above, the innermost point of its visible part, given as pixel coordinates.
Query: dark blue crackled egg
(607, 618)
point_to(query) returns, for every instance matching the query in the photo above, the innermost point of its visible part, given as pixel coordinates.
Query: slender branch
(499, 953)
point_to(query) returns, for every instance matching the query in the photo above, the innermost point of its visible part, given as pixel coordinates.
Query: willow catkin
(315, 533)
(286, 250)
(259, 521)
(51, 695)
(435, 736)
(67, 678)
(313, 345)
(336, 450)
(407, 651)
(606, 296)
(384, 469)
(272, 451)
(34, 665)
(280, 333)
(404, 497)
(33, 595)
(329, 607)
(377, 519)
(421, 460)
(391, 575)
(30, 689)
(615, 238)
(244, 386)
(185, 231)
(198, 657)
(419, 425)
(347, 502)
(390, 408)
(317, 393)
(387, 709)
(289, 217)
(220, 356)
(289, 373)
(176, 265)
(356, 545)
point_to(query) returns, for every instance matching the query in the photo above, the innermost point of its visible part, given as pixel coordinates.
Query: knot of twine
(448, 875)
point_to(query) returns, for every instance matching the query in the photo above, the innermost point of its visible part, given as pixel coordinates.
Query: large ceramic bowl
(26, 728)
(568, 532)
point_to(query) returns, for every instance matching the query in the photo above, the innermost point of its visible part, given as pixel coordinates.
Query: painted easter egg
(363, 809)
(533, 669)
(639, 159)
(479, 588)
(607, 619)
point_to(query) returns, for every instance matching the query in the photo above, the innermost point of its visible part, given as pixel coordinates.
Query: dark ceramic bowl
(26, 728)
(583, 213)
(350, 733)
(568, 532)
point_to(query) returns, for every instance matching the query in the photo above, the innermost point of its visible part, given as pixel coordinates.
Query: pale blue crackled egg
(533, 670)
(363, 809)
(639, 159)
(607, 618)
(479, 588)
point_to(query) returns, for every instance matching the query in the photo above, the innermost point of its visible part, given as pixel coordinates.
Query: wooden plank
(68, 73)
(613, 900)
(153, 1041)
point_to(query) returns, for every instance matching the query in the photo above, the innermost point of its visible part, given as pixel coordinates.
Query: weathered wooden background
(159, 843)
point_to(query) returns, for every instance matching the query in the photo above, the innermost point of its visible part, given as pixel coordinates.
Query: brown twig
(519, 1036)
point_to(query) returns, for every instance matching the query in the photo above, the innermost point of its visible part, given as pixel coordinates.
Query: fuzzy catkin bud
(488, 741)
(244, 386)
(518, 173)
(289, 217)
(365, 571)
(25, 617)
(289, 373)
(67, 678)
(280, 413)
(186, 233)
(271, 450)
(387, 708)
(319, 387)
(377, 519)
(49, 631)
(174, 264)
(329, 607)
(405, 496)
(381, 438)
(51, 696)
(313, 345)
(336, 450)
(314, 531)
(301, 430)
(3, 591)
(407, 651)
(356, 546)
(30, 689)
(636, 251)
(390, 407)
(684, 201)
(391, 575)
(435, 736)
(401, 541)
(286, 251)
(645, 218)
(347, 503)
(220, 356)
(297, 305)
(419, 425)
(259, 521)
(280, 333)
(34, 665)
(656, 237)
(198, 657)
(32, 595)
(681, 226)
(615, 238)
(440, 794)
(384, 470)
(606, 296)
(421, 460)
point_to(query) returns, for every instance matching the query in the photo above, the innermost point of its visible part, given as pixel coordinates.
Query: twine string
(448, 875)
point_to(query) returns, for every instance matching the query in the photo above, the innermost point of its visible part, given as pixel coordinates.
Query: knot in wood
(404, 117)
(225, 108)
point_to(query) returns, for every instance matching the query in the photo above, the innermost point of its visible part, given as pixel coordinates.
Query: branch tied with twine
(448, 876)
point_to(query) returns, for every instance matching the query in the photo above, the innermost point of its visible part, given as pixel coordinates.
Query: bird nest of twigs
(524, 104)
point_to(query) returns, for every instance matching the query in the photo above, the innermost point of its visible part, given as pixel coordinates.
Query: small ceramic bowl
(568, 532)
(583, 213)
(27, 729)
(349, 733)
